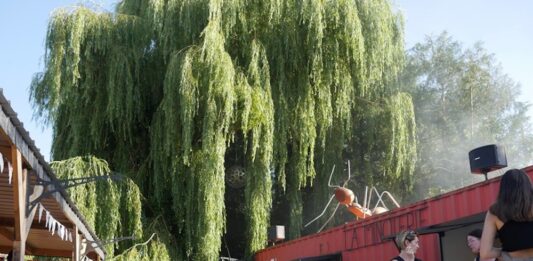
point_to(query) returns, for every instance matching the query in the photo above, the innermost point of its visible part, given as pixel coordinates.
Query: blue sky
(503, 26)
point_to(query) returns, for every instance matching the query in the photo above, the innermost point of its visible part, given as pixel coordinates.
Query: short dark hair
(476, 233)
(403, 235)
(515, 199)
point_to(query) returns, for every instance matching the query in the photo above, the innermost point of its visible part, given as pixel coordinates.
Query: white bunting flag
(41, 208)
(53, 226)
(10, 171)
(1, 163)
(47, 220)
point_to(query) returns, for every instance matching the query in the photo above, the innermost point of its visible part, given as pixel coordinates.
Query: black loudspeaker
(487, 158)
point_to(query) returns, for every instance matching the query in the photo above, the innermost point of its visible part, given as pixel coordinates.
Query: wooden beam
(5, 150)
(18, 193)
(10, 236)
(37, 191)
(76, 255)
(40, 251)
(6, 249)
(7, 234)
(51, 252)
(19, 205)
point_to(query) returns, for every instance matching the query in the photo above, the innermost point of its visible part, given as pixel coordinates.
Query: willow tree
(175, 93)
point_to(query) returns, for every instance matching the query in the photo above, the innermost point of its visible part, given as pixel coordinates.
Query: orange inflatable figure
(344, 197)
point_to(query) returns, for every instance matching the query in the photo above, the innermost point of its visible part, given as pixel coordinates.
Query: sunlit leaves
(162, 90)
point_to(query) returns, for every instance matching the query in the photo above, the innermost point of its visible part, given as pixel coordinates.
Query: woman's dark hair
(409, 235)
(476, 233)
(515, 199)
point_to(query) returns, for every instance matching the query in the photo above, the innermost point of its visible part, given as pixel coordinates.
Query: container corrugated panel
(369, 239)
(429, 250)
(327, 242)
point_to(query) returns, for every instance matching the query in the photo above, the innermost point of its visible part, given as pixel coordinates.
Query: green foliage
(156, 247)
(462, 100)
(164, 89)
(99, 202)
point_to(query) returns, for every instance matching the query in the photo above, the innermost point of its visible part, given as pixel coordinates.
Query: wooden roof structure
(50, 225)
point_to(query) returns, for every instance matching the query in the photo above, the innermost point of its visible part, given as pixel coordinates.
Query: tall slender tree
(463, 100)
(176, 93)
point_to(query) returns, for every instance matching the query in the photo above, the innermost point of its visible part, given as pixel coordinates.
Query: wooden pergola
(30, 224)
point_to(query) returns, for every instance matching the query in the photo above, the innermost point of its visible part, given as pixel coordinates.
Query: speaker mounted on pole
(486, 159)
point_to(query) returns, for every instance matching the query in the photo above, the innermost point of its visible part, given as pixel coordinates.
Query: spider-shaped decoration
(346, 197)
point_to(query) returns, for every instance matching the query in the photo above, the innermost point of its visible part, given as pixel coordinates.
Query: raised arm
(487, 249)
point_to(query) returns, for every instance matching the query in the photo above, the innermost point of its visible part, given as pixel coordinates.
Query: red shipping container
(442, 223)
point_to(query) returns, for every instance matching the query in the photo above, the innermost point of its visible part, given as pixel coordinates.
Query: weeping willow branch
(135, 246)
(161, 89)
(113, 209)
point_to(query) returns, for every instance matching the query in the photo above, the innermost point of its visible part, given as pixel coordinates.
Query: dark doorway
(334, 257)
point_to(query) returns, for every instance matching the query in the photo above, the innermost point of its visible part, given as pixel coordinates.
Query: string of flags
(54, 226)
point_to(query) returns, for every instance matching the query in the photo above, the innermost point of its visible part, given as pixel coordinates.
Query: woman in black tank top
(407, 244)
(511, 217)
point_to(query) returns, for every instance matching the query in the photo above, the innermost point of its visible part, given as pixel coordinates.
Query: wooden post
(19, 200)
(76, 253)
(37, 191)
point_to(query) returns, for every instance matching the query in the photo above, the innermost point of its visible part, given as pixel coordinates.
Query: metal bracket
(61, 184)
(101, 244)
(109, 241)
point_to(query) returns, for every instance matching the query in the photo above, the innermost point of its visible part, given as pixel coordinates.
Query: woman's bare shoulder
(493, 219)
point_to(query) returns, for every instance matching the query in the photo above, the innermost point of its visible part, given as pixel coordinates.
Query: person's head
(515, 198)
(473, 240)
(407, 241)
